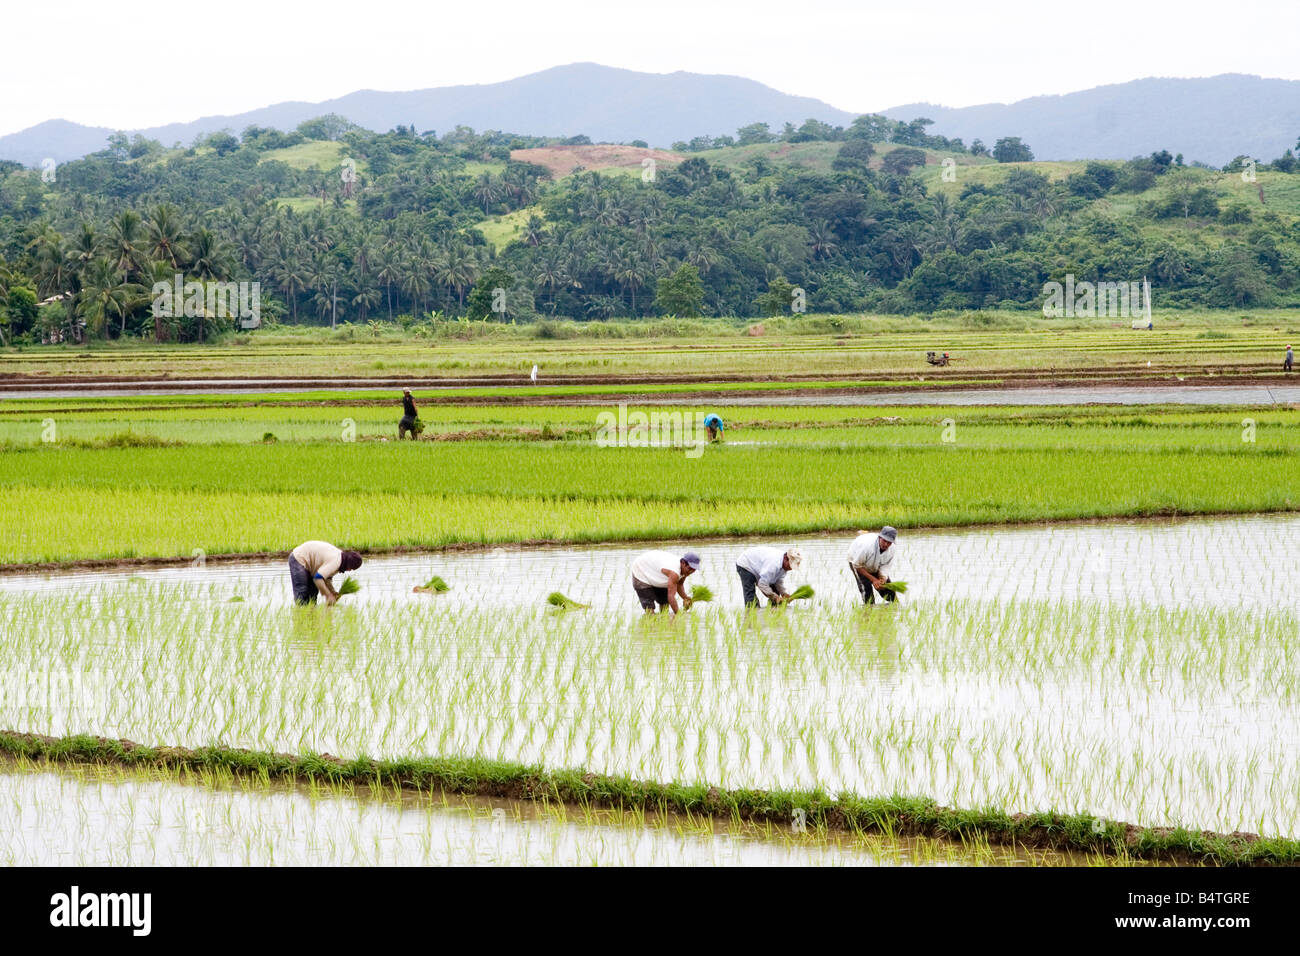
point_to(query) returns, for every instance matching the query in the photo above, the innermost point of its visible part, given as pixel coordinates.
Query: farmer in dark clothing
(1286, 363)
(409, 415)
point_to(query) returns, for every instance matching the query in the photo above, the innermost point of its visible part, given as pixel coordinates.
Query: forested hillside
(342, 225)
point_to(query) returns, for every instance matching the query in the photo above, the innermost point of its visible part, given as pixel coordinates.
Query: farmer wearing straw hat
(658, 579)
(312, 566)
(763, 570)
(869, 555)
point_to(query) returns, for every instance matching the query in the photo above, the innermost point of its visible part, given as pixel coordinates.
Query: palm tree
(107, 296)
(702, 255)
(534, 231)
(628, 270)
(456, 268)
(388, 270)
(821, 238)
(291, 278)
(487, 191)
(325, 280)
(52, 266)
(165, 235)
(551, 274)
(126, 244)
(211, 256)
(364, 298)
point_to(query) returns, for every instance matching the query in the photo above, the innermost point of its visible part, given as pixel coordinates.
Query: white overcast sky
(150, 63)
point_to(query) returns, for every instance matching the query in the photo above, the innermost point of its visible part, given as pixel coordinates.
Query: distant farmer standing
(658, 579)
(1286, 363)
(869, 555)
(312, 566)
(713, 425)
(409, 415)
(763, 570)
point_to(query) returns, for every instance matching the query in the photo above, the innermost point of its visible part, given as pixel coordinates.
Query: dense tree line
(394, 236)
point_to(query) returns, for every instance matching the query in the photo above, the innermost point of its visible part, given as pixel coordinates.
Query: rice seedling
(803, 592)
(349, 585)
(557, 600)
(435, 585)
(701, 592)
(896, 587)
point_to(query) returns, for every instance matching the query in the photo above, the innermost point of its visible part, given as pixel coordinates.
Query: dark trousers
(406, 426)
(866, 589)
(304, 589)
(749, 586)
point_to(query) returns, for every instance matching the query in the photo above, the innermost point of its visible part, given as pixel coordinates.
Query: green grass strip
(893, 816)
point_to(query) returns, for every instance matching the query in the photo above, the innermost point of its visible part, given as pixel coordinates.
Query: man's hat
(796, 558)
(691, 560)
(888, 533)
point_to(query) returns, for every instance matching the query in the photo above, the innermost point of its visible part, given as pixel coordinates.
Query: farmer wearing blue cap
(869, 555)
(658, 579)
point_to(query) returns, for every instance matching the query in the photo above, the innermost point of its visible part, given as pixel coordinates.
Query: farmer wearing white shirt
(763, 569)
(658, 579)
(869, 555)
(312, 566)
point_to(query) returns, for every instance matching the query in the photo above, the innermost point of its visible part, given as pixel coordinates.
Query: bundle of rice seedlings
(418, 427)
(558, 600)
(802, 593)
(435, 585)
(701, 592)
(898, 587)
(349, 585)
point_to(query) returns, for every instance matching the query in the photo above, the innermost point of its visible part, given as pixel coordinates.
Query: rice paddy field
(1094, 662)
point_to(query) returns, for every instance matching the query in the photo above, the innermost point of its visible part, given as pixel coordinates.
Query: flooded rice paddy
(1138, 671)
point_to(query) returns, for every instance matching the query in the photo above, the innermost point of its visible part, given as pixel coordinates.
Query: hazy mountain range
(1211, 119)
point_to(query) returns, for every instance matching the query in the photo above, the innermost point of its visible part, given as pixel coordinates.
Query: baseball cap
(691, 560)
(888, 533)
(796, 558)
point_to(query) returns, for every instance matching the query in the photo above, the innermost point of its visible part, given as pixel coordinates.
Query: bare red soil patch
(563, 160)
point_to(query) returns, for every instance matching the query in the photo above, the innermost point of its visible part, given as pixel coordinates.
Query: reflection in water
(84, 816)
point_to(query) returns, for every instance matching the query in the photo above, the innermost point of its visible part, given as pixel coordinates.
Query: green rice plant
(349, 585)
(701, 592)
(435, 585)
(557, 600)
(802, 593)
(897, 587)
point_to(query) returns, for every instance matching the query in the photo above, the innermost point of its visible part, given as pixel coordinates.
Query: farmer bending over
(658, 576)
(312, 566)
(869, 555)
(713, 425)
(763, 569)
(409, 415)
